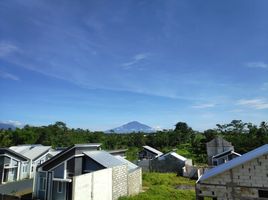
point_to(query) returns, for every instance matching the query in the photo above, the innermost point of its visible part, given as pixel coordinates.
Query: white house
(36, 153)
(84, 172)
(12, 166)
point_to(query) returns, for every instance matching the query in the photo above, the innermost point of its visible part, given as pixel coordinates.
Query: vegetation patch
(162, 186)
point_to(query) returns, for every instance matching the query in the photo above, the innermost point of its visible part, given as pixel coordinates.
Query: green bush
(162, 192)
(167, 179)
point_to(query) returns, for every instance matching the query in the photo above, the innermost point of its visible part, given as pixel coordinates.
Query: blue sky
(100, 64)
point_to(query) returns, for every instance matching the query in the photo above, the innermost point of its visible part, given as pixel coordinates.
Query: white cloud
(202, 106)
(140, 56)
(158, 128)
(7, 48)
(7, 75)
(136, 59)
(257, 65)
(13, 122)
(254, 103)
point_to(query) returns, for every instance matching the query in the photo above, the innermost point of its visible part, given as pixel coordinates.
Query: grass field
(164, 186)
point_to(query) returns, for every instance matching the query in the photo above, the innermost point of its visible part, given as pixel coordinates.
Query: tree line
(183, 139)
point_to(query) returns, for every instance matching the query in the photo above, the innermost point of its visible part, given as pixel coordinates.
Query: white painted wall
(93, 186)
(102, 184)
(82, 187)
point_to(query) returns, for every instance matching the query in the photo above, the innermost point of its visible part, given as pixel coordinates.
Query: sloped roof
(36, 152)
(20, 148)
(117, 151)
(104, 158)
(54, 152)
(130, 165)
(153, 150)
(230, 151)
(31, 151)
(66, 150)
(174, 154)
(235, 162)
(13, 153)
(178, 156)
(88, 145)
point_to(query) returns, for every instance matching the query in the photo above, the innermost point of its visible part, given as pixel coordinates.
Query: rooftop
(130, 165)
(230, 151)
(88, 145)
(117, 151)
(176, 156)
(153, 150)
(31, 151)
(104, 158)
(14, 153)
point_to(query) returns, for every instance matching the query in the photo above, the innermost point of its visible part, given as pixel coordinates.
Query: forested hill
(244, 136)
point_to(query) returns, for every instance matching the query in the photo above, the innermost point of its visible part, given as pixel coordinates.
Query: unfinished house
(217, 146)
(244, 177)
(36, 153)
(148, 153)
(224, 157)
(84, 172)
(169, 162)
(12, 166)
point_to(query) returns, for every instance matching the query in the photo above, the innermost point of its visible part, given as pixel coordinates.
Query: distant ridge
(6, 126)
(131, 127)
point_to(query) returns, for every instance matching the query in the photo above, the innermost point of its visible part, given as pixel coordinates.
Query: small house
(244, 177)
(149, 153)
(169, 162)
(37, 154)
(84, 172)
(224, 157)
(12, 166)
(217, 146)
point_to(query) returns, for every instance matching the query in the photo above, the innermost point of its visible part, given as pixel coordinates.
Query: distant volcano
(132, 127)
(6, 126)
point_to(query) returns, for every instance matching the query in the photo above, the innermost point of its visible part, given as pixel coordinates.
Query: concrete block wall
(214, 191)
(243, 181)
(227, 193)
(221, 179)
(253, 173)
(135, 181)
(120, 176)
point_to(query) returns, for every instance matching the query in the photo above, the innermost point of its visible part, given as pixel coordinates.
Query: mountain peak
(133, 126)
(6, 126)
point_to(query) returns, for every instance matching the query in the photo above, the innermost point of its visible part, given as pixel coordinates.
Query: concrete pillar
(30, 173)
(65, 170)
(18, 170)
